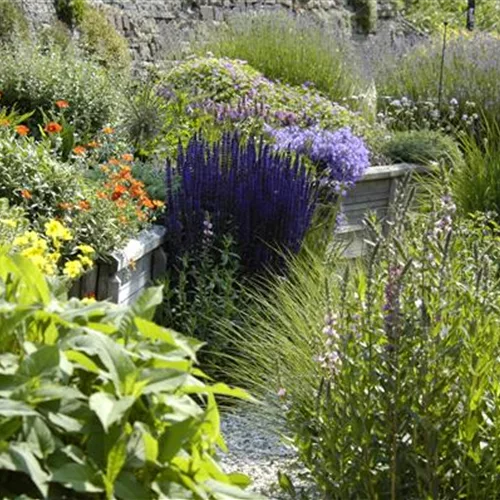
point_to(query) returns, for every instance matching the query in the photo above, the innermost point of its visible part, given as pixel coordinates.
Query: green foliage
(366, 15)
(70, 12)
(475, 182)
(290, 49)
(57, 34)
(13, 23)
(99, 39)
(421, 146)
(430, 15)
(209, 82)
(13, 222)
(100, 403)
(31, 80)
(201, 289)
(29, 166)
(388, 372)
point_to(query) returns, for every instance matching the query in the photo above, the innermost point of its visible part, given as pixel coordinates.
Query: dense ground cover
(382, 370)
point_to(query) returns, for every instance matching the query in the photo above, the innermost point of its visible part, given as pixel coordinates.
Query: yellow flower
(9, 222)
(73, 269)
(54, 257)
(86, 249)
(55, 230)
(86, 262)
(21, 241)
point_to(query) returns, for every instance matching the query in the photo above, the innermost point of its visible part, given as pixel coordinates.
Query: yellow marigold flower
(86, 262)
(55, 230)
(21, 241)
(73, 269)
(85, 249)
(9, 222)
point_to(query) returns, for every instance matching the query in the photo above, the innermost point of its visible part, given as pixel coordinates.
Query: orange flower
(62, 104)
(146, 202)
(4, 122)
(108, 130)
(53, 128)
(128, 157)
(105, 169)
(136, 190)
(26, 194)
(22, 130)
(65, 206)
(93, 145)
(123, 219)
(113, 161)
(124, 173)
(102, 195)
(158, 204)
(118, 192)
(79, 150)
(84, 205)
(121, 203)
(140, 215)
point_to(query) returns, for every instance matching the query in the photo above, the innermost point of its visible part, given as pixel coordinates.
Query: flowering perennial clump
(265, 199)
(341, 157)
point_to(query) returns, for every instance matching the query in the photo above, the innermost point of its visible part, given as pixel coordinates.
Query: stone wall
(150, 25)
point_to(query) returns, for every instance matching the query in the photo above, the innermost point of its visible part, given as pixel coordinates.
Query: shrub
(471, 75)
(238, 97)
(288, 48)
(99, 39)
(33, 178)
(70, 12)
(13, 222)
(13, 23)
(265, 200)
(421, 146)
(87, 414)
(31, 80)
(388, 372)
(57, 34)
(366, 15)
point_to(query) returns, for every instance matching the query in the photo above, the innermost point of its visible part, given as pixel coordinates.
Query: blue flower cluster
(264, 199)
(341, 158)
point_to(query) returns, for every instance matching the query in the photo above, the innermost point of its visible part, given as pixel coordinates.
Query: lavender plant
(266, 200)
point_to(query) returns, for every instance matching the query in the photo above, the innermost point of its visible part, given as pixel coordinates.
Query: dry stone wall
(150, 25)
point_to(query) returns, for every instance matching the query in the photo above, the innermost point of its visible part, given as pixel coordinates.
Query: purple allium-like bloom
(340, 155)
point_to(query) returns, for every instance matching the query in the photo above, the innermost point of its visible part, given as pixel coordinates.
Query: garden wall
(148, 25)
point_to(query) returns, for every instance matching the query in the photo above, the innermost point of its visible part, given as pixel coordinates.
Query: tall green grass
(293, 50)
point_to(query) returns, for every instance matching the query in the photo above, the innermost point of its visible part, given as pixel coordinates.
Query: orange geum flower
(113, 161)
(65, 206)
(53, 128)
(118, 192)
(102, 195)
(121, 203)
(84, 205)
(108, 130)
(146, 202)
(93, 145)
(62, 104)
(26, 194)
(158, 204)
(22, 130)
(79, 150)
(128, 157)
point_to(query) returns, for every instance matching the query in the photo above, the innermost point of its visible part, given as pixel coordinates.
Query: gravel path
(256, 449)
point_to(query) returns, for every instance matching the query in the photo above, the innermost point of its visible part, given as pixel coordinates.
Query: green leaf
(222, 491)
(79, 477)
(65, 423)
(39, 437)
(9, 427)
(128, 488)
(10, 408)
(25, 461)
(220, 389)
(146, 304)
(175, 437)
(83, 361)
(42, 362)
(286, 484)
(108, 409)
(115, 461)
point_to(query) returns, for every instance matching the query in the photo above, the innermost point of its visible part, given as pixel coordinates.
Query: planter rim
(391, 171)
(144, 242)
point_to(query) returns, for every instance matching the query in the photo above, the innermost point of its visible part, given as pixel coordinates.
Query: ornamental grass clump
(264, 199)
(387, 370)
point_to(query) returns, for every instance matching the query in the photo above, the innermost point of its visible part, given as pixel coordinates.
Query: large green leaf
(39, 437)
(25, 461)
(43, 361)
(79, 477)
(115, 461)
(128, 488)
(65, 422)
(9, 408)
(175, 437)
(222, 491)
(109, 409)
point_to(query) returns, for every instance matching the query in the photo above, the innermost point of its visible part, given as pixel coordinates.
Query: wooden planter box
(128, 271)
(375, 192)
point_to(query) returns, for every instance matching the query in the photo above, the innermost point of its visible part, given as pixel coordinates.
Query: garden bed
(128, 271)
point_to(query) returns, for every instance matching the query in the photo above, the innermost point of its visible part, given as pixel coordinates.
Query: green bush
(98, 402)
(388, 372)
(13, 222)
(57, 34)
(471, 77)
(293, 50)
(99, 39)
(366, 15)
(13, 23)
(31, 80)
(421, 146)
(70, 12)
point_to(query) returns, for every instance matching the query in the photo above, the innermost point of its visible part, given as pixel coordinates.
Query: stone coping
(391, 171)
